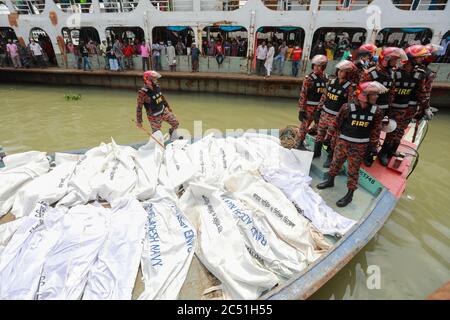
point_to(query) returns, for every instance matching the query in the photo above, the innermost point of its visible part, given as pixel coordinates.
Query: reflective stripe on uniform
(329, 111)
(383, 106)
(312, 103)
(413, 103)
(159, 112)
(400, 105)
(356, 140)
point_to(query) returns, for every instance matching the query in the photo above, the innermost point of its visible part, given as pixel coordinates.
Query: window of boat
(41, 37)
(181, 37)
(342, 5)
(117, 5)
(333, 42)
(29, 6)
(173, 5)
(85, 34)
(6, 34)
(403, 37)
(291, 36)
(225, 5)
(4, 8)
(125, 34)
(420, 4)
(232, 38)
(287, 5)
(444, 54)
(75, 6)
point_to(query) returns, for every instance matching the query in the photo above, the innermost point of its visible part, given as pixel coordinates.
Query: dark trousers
(260, 69)
(219, 58)
(194, 65)
(145, 65)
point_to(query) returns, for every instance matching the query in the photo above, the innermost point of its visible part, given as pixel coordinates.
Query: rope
(289, 136)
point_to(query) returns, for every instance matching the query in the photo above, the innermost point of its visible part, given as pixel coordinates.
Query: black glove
(316, 115)
(301, 115)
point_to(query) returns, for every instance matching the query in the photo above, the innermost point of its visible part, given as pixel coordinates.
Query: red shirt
(297, 54)
(128, 51)
(219, 48)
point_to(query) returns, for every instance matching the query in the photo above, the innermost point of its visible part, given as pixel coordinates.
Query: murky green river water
(412, 250)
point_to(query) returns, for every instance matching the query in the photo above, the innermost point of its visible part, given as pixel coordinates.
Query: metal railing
(410, 5)
(28, 6)
(74, 6)
(221, 5)
(118, 5)
(4, 9)
(287, 5)
(173, 5)
(343, 5)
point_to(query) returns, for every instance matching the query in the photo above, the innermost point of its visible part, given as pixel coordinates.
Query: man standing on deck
(156, 106)
(383, 72)
(338, 92)
(358, 127)
(310, 94)
(409, 93)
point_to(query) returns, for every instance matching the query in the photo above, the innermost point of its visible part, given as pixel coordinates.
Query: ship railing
(287, 5)
(29, 7)
(224, 5)
(74, 6)
(4, 8)
(410, 5)
(343, 5)
(173, 5)
(118, 5)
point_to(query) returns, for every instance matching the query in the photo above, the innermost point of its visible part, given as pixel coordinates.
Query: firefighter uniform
(156, 108)
(310, 95)
(409, 88)
(336, 94)
(358, 130)
(386, 78)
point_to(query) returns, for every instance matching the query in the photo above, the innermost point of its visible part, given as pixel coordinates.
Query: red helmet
(392, 53)
(320, 60)
(150, 75)
(367, 48)
(433, 49)
(416, 51)
(370, 87)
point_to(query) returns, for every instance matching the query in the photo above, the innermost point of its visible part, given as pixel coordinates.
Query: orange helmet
(392, 53)
(416, 51)
(150, 75)
(367, 48)
(370, 87)
(320, 60)
(433, 49)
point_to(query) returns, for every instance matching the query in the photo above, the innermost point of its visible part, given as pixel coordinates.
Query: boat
(380, 188)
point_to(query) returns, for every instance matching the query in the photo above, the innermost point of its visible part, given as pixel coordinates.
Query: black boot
(329, 183)
(317, 149)
(393, 149)
(301, 146)
(383, 155)
(346, 199)
(329, 158)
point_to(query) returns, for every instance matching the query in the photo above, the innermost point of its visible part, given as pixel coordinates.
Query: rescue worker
(409, 86)
(383, 72)
(358, 127)
(313, 87)
(364, 60)
(430, 75)
(156, 106)
(337, 93)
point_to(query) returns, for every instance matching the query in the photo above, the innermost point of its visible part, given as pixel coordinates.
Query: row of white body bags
(220, 246)
(168, 248)
(19, 170)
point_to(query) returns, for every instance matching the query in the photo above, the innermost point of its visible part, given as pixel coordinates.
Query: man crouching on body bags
(358, 127)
